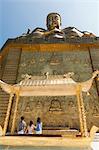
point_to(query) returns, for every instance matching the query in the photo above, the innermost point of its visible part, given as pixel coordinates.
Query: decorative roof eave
(8, 88)
(52, 88)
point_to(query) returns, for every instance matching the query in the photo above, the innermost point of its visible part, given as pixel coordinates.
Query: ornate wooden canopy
(48, 86)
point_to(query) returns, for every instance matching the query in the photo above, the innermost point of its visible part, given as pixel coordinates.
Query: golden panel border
(47, 47)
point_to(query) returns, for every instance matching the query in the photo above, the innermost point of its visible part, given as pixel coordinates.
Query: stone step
(7, 78)
(12, 68)
(3, 102)
(10, 56)
(3, 93)
(65, 132)
(3, 106)
(11, 71)
(11, 65)
(8, 75)
(3, 109)
(3, 97)
(2, 115)
(13, 54)
(8, 68)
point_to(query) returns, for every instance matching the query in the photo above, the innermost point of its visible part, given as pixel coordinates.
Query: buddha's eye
(56, 18)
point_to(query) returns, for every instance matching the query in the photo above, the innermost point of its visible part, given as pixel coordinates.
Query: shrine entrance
(49, 86)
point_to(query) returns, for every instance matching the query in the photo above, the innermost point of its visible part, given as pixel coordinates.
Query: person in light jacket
(39, 126)
(31, 127)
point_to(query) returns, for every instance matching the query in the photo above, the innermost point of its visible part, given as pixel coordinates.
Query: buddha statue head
(53, 21)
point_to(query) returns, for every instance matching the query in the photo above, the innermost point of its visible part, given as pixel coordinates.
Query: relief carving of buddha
(55, 105)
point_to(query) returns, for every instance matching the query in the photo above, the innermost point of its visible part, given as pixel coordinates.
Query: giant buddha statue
(53, 23)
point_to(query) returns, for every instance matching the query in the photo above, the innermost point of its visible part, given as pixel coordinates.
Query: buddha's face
(53, 21)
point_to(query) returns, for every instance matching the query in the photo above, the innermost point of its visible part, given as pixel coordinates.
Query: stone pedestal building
(57, 51)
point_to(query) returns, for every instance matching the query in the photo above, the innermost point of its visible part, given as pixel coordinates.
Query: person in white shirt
(31, 127)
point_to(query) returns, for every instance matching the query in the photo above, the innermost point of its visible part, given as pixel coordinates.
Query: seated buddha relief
(55, 105)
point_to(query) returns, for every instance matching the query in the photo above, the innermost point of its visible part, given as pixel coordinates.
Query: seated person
(39, 126)
(22, 126)
(31, 127)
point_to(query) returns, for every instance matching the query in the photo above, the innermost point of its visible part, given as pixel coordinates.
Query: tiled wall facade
(58, 111)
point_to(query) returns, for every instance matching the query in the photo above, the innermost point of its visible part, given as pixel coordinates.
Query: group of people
(31, 128)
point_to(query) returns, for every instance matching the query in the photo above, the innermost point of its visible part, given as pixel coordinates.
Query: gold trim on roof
(48, 87)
